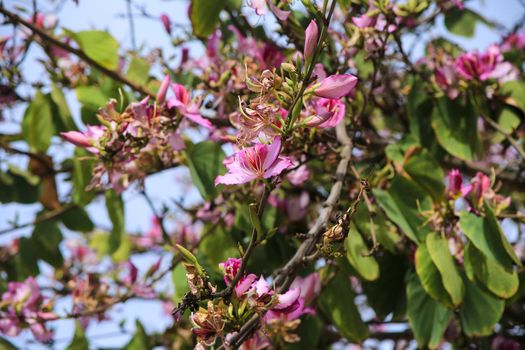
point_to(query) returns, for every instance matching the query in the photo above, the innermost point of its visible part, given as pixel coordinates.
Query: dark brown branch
(14, 18)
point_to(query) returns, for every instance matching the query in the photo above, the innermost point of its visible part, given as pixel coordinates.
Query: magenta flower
(473, 65)
(327, 112)
(280, 14)
(88, 139)
(336, 86)
(186, 106)
(166, 22)
(310, 286)
(256, 162)
(454, 183)
(310, 41)
(364, 21)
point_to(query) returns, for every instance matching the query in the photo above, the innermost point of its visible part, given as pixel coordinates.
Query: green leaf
(26, 259)
(6, 345)
(61, 114)
(480, 311)
(77, 219)
(400, 204)
(419, 112)
(443, 260)
(217, 247)
(392, 279)
(463, 22)
(83, 164)
(456, 129)
(487, 236)
(138, 71)
(119, 245)
(427, 173)
(489, 273)
(430, 278)
(205, 163)
(98, 45)
(17, 185)
(204, 16)
(178, 276)
(509, 120)
(79, 341)
(37, 125)
(356, 247)
(310, 332)
(516, 90)
(91, 98)
(428, 319)
(139, 340)
(337, 302)
(46, 237)
(385, 232)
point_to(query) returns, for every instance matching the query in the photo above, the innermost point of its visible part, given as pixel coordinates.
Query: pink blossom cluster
(23, 306)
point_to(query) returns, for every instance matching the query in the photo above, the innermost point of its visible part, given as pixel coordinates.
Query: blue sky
(99, 14)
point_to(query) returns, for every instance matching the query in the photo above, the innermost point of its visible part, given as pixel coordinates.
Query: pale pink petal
(278, 167)
(336, 86)
(273, 152)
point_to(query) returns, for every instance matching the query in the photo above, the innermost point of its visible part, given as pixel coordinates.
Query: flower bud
(310, 41)
(336, 86)
(161, 94)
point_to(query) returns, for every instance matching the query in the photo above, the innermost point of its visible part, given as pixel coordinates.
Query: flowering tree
(349, 189)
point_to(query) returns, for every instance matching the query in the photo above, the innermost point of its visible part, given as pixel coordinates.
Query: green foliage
(337, 302)
(18, 186)
(83, 164)
(463, 22)
(138, 71)
(118, 244)
(79, 341)
(98, 45)
(204, 16)
(139, 340)
(38, 126)
(205, 163)
(356, 250)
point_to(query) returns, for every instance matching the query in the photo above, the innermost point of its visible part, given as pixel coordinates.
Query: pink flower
(489, 65)
(454, 183)
(186, 106)
(299, 176)
(259, 6)
(230, 267)
(479, 189)
(364, 21)
(310, 286)
(310, 41)
(256, 162)
(88, 139)
(327, 112)
(336, 86)
(280, 14)
(166, 22)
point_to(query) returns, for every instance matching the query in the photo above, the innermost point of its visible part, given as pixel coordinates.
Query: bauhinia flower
(336, 86)
(310, 41)
(327, 113)
(186, 106)
(257, 162)
(166, 22)
(88, 139)
(454, 183)
(488, 65)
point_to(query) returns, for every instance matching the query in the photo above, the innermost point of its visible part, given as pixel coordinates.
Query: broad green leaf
(310, 333)
(428, 319)
(419, 112)
(430, 277)
(139, 340)
(19, 186)
(516, 90)
(356, 247)
(77, 219)
(204, 16)
(6, 345)
(385, 232)
(61, 113)
(138, 71)
(79, 341)
(118, 243)
(443, 260)
(26, 259)
(463, 22)
(337, 302)
(400, 204)
(98, 45)
(426, 172)
(489, 273)
(91, 98)
(83, 164)
(508, 120)
(217, 247)
(178, 276)
(480, 311)
(486, 235)
(456, 129)
(37, 125)
(205, 164)
(46, 237)
(392, 279)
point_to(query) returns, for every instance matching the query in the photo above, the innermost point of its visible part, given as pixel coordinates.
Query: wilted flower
(208, 324)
